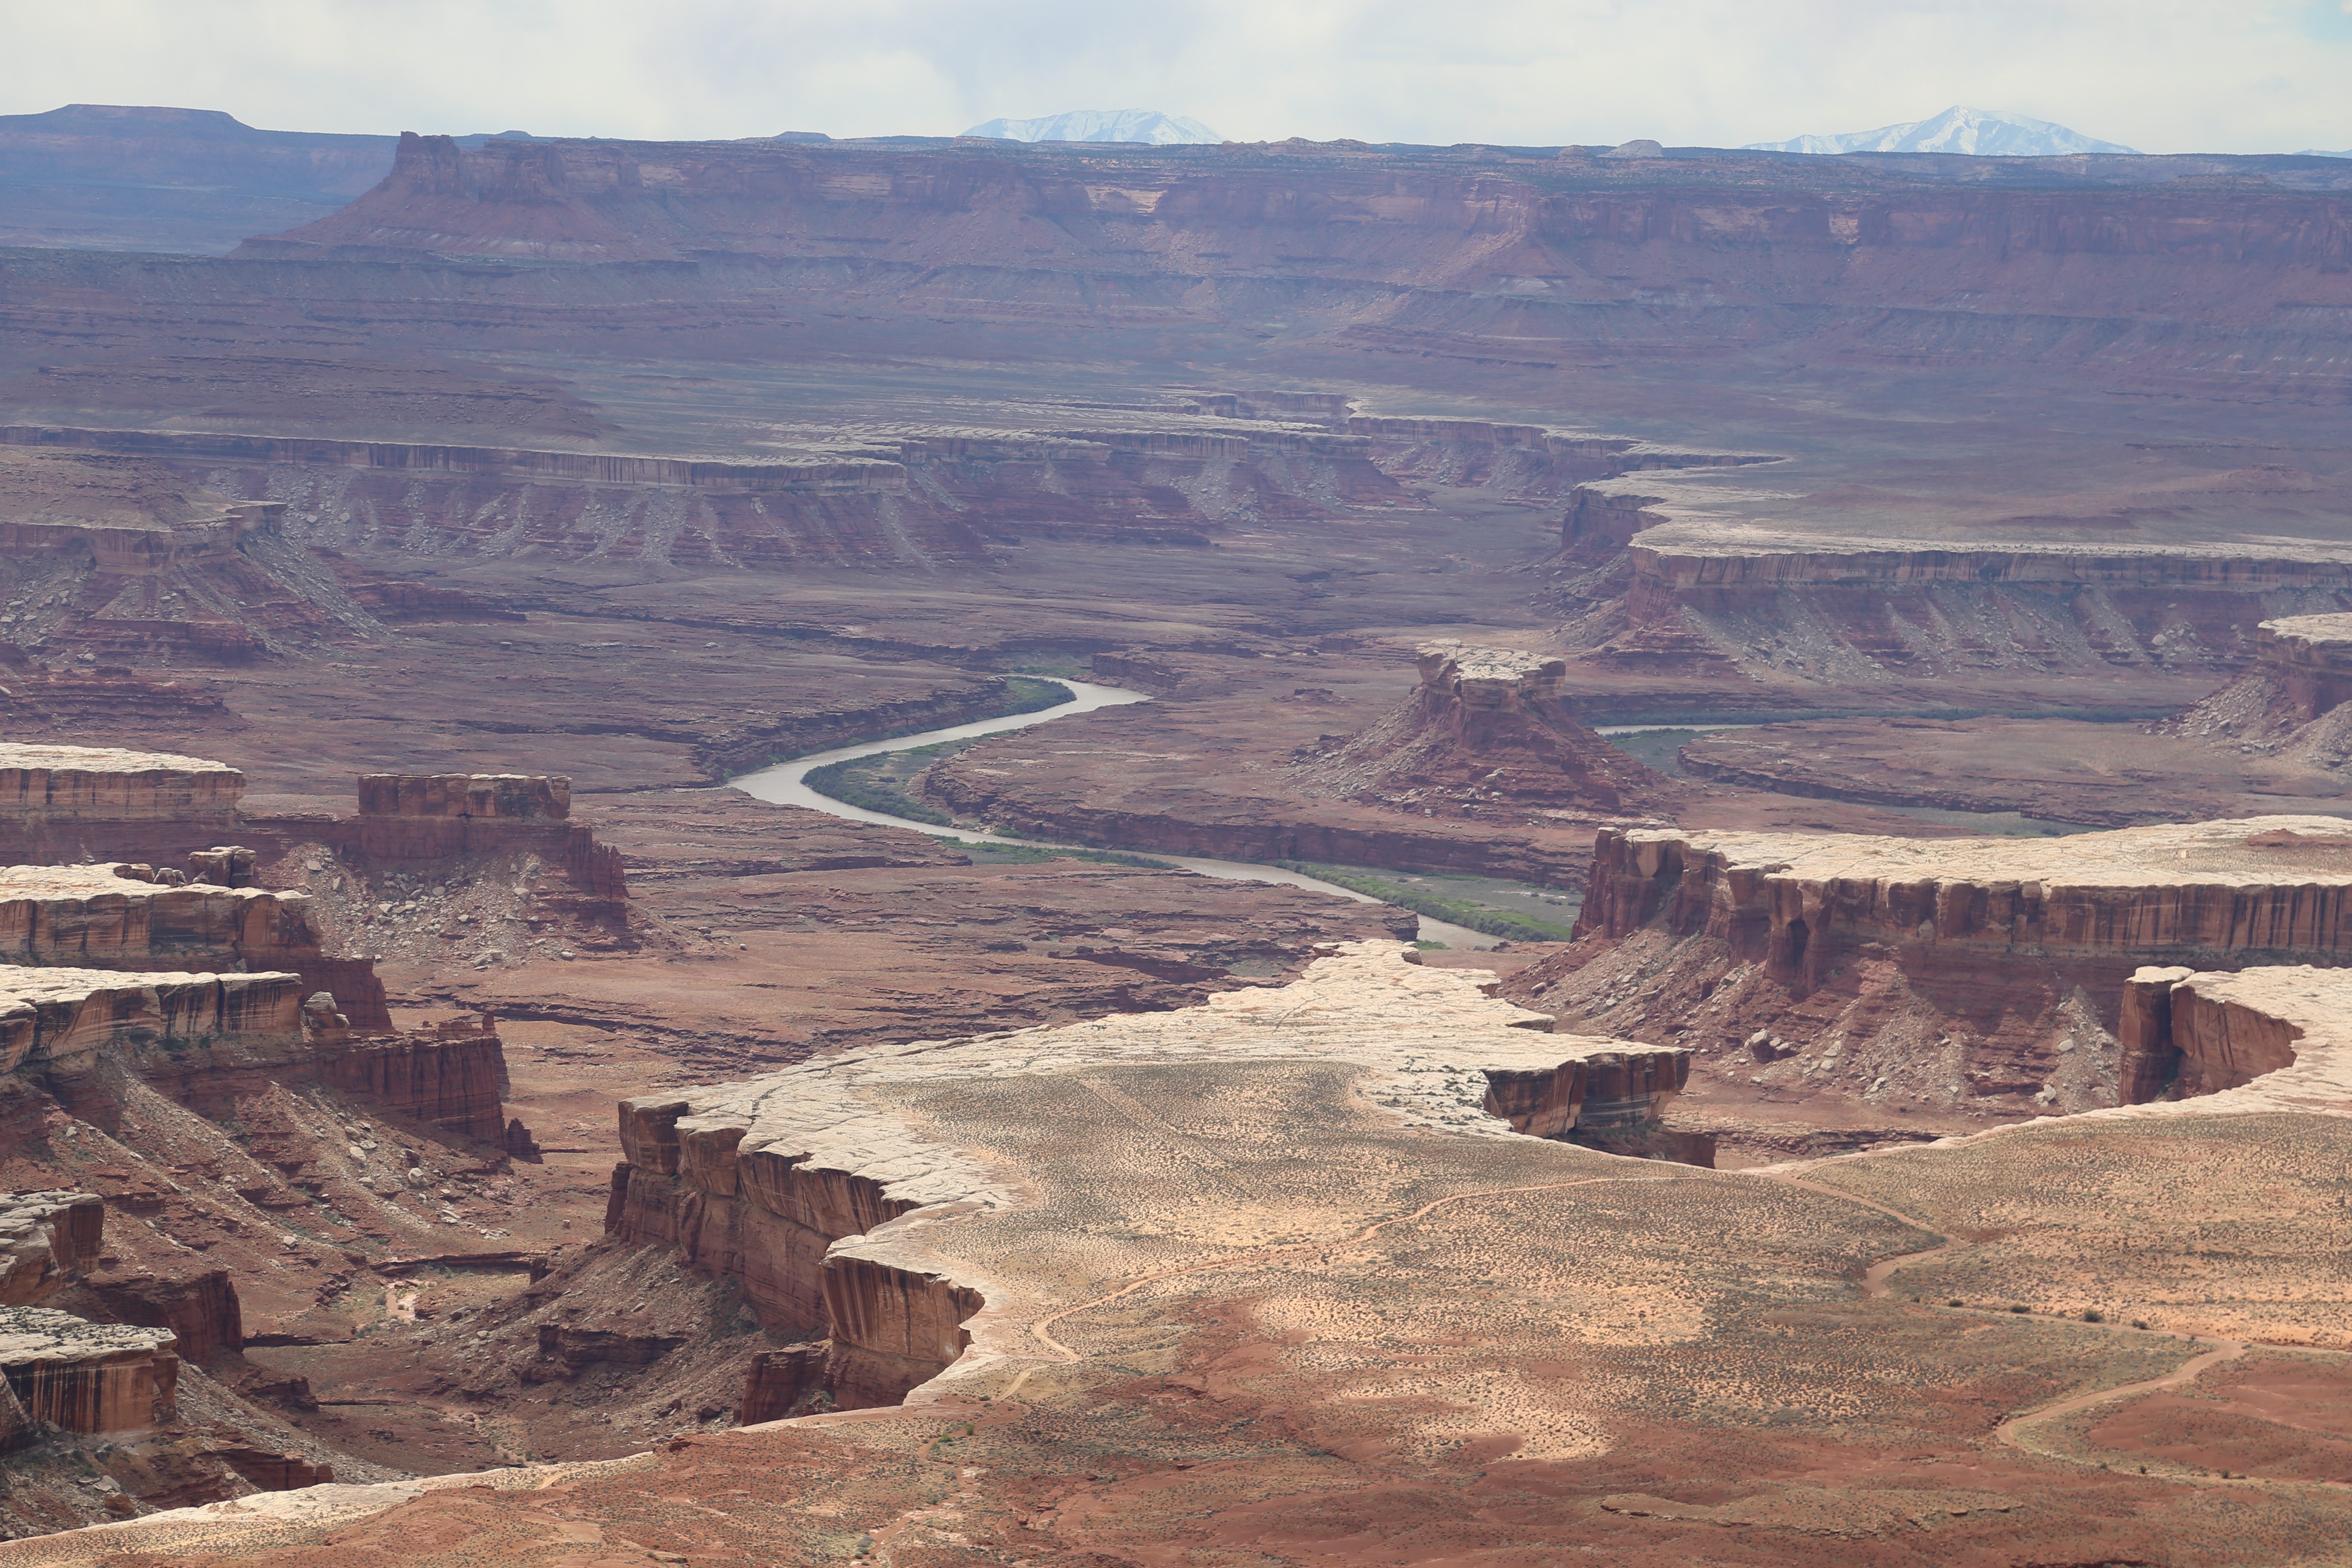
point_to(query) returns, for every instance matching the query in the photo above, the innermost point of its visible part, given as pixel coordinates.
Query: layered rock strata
(114, 557)
(449, 1076)
(409, 822)
(2268, 885)
(1485, 731)
(58, 803)
(1702, 595)
(2311, 659)
(108, 1379)
(474, 795)
(203, 1040)
(811, 1188)
(2284, 1031)
(202, 1309)
(44, 1240)
(113, 915)
(2291, 704)
(1982, 972)
(930, 495)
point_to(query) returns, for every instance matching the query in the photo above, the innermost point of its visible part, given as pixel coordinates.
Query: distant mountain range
(2317, 153)
(1147, 125)
(1983, 132)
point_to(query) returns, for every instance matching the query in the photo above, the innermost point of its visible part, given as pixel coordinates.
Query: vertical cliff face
(2025, 972)
(61, 803)
(1780, 602)
(201, 1311)
(100, 1378)
(205, 1040)
(1614, 1085)
(2276, 1036)
(78, 1030)
(2292, 703)
(768, 1222)
(414, 823)
(817, 1190)
(447, 1076)
(45, 1238)
(510, 796)
(2191, 1034)
(765, 1219)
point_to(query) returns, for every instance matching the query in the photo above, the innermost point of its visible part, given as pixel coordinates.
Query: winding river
(786, 784)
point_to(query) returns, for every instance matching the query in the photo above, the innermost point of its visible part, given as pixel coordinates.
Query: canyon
(510, 1140)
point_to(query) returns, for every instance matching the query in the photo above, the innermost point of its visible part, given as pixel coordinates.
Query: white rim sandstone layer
(814, 1186)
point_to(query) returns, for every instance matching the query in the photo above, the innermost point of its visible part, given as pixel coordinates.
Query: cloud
(2163, 75)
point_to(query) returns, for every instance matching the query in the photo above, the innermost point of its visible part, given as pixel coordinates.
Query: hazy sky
(2165, 76)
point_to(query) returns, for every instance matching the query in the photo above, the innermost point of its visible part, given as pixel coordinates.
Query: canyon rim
(1695, 911)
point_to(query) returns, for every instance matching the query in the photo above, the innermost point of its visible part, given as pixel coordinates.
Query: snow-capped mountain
(2320, 153)
(1101, 125)
(1986, 133)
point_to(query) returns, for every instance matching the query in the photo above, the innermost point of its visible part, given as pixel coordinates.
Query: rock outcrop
(73, 1027)
(114, 557)
(201, 1309)
(1789, 608)
(107, 1379)
(44, 1240)
(812, 1191)
(448, 1075)
(2291, 703)
(2274, 885)
(434, 822)
(61, 803)
(505, 796)
(1486, 732)
(112, 915)
(2281, 1031)
(1992, 974)
(203, 1040)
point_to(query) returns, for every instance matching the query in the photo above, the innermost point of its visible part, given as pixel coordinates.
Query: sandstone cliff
(448, 1077)
(812, 1189)
(98, 1378)
(1786, 608)
(507, 796)
(1800, 234)
(116, 916)
(2278, 1030)
(45, 1238)
(2291, 703)
(1939, 975)
(205, 1041)
(64, 803)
